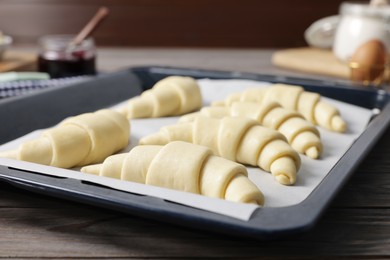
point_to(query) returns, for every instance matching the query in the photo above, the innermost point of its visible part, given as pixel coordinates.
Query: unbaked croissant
(295, 98)
(302, 135)
(174, 95)
(182, 166)
(77, 141)
(238, 139)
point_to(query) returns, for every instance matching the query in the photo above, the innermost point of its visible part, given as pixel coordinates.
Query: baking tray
(48, 107)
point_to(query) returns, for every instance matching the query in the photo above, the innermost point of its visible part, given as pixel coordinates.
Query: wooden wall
(185, 23)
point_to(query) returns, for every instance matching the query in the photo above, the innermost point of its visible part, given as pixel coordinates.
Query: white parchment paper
(310, 175)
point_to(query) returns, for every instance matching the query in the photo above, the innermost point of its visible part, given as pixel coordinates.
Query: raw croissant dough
(295, 98)
(174, 95)
(238, 139)
(182, 166)
(302, 135)
(77, 141)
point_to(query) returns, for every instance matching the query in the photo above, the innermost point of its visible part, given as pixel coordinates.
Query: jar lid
(366, 10)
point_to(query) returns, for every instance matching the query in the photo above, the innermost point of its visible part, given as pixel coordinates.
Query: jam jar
(59, 58)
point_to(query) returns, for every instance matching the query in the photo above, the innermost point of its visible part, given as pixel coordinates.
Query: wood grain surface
(18, 61)
(355, 226)
(313, 61)
(217, 23)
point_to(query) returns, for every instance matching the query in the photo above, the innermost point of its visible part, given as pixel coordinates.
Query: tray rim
(265, 223)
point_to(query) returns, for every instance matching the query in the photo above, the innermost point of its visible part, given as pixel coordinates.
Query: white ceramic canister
(359, 24)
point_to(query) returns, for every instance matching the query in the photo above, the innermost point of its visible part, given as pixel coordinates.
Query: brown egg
(368, 62)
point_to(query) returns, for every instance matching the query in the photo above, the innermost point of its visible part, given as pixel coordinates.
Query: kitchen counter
(356, 224)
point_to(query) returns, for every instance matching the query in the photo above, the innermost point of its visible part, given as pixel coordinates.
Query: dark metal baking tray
(42, 109)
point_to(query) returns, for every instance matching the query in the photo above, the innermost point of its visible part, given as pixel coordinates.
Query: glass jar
(60, 59)
(359, 24)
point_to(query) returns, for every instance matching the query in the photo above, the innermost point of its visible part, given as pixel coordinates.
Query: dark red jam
(61, 59)
(67, 68)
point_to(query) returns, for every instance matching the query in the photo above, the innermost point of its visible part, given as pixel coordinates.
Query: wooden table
(356, 224)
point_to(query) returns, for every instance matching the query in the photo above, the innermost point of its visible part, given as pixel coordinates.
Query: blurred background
(165, 23)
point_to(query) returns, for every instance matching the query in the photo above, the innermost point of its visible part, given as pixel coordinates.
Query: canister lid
(365, 10)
